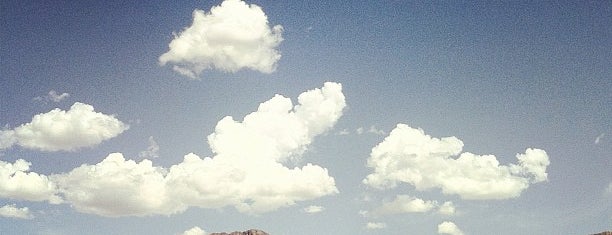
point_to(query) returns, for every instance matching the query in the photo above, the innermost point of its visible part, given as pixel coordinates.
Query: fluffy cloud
(246, 172)
(16, 182)
(375, 225)
(408, 155)
(314, 209)
(448, 208)
(448, 227)
(63, 130)
(194, 231)
(118, 187)
(232, 36)
(11, 211)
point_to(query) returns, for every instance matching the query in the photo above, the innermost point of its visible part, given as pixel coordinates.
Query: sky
(305, 117)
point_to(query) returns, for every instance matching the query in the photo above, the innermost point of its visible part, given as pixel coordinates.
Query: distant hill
(248, 232)
(604, 233)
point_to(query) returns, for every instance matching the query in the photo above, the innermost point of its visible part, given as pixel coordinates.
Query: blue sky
(500, 77)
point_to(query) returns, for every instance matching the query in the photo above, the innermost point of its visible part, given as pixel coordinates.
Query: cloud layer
(408, 204)
(59, 130)
(410, 156)
(247, 171)
(232, 36)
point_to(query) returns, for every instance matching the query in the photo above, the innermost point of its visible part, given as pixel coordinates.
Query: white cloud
(376, 131)
(152, 151)
(11, 211)
(448, 227)
(16, 182)
(53, 96)
(63, 130)
(247, 171)
(314, 209)
(448, 208)
(405, 204)
(118, 187)
(232, 36)
(599, 137)
(194, 231)
(608, 190)
(410, 156)
(375, 225)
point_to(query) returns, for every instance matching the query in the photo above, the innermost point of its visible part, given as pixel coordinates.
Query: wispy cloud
(599, 137)
(232, 36)
(409, 204)
(314, 209)
(11, 211)
(152, 150)
(410, 156)
(53, 96)
(59, 130)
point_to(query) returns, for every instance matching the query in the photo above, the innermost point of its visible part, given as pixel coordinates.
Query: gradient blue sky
(500, 76)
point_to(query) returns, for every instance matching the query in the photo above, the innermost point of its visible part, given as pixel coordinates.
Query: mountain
(248, 232)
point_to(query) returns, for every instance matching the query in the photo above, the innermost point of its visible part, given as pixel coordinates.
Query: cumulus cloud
(16, 182)
(314, 209)
(53, 96)
(11, 211)
(59, 130)
(194, 231)
(247, 171)
(375, 225)
(448, 227)
(409, 204)
(232, 36)
(448, 208)
(410, 156)
(406, 204)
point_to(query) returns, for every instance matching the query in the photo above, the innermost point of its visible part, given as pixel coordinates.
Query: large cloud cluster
(247, 171)
(233, 36)
(59, 130)
(410, 156)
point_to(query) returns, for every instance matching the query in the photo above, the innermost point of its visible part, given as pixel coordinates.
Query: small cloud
(53, 96)
(363, 213)
(194, 231)
(17, 182)
(448, 227)
(376, 131)
(59, 130)
(608, 190)
(599, 137)
(448, 208)
(11, 211)
(152, 151)
(313, 209)
(231, 37)
(343, 132)
(376, 225)
(405, 204)
(359, 130)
